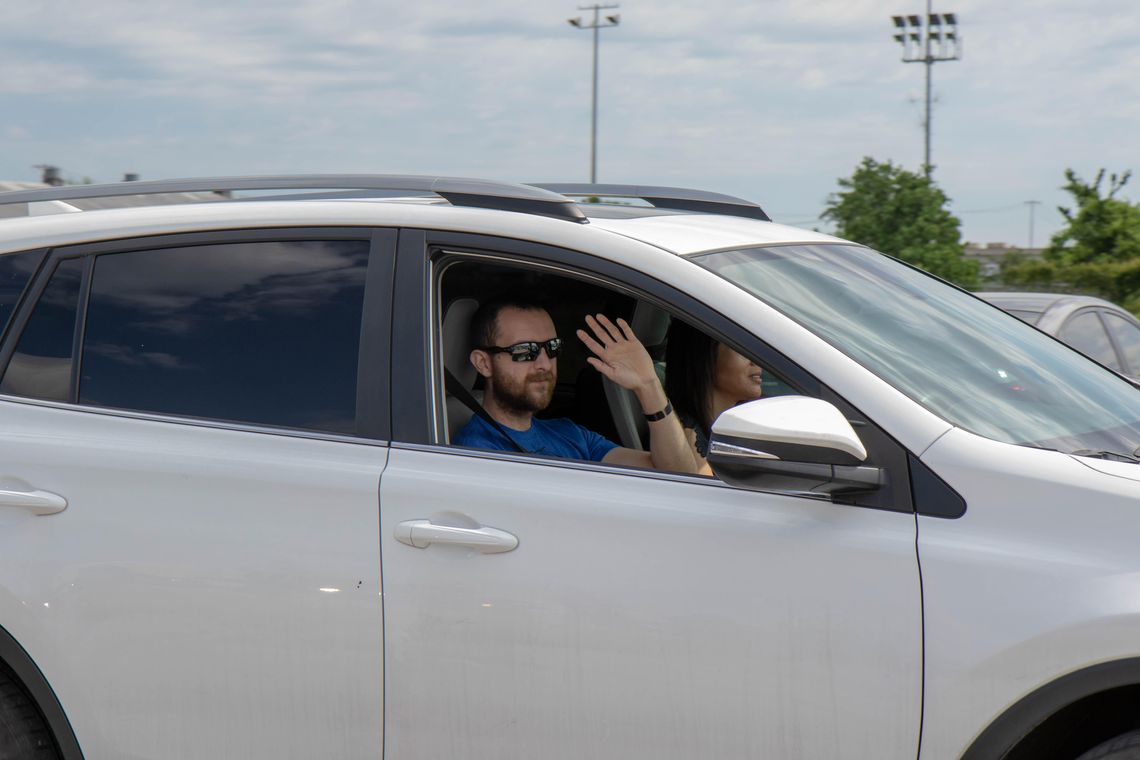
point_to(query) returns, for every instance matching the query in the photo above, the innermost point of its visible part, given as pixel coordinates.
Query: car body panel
(214, 589)
(698, 233)
(1032, 583)
(168, 603)
(679, 625)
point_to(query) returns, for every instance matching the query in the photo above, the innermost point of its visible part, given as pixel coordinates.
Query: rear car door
(642, 614)
(200, 422)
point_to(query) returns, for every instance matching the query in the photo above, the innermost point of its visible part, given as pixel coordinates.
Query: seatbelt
(456, 388)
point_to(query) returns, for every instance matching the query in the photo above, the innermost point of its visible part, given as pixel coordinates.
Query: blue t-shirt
(554, 438)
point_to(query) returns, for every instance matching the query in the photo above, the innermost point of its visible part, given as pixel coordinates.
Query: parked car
(1097, 328)
(233, 523)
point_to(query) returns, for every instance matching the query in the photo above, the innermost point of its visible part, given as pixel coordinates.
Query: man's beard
(527, 395)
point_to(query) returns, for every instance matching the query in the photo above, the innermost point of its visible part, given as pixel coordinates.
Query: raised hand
(618, 354)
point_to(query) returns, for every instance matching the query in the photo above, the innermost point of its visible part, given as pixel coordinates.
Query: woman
(702, 379)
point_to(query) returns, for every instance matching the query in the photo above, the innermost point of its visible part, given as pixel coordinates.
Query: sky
(770, 100)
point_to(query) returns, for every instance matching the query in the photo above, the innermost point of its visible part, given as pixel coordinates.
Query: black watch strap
(662, 414)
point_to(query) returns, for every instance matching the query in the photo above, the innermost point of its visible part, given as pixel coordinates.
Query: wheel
(1123, 747)
(23, 733)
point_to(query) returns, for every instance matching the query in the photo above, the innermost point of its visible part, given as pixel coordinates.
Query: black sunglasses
(527, 351)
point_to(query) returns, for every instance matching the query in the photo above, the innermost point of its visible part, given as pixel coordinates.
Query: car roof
(1045, 301)
(1023, 301)
(695, 233)
(683, 230)
(1051, 310)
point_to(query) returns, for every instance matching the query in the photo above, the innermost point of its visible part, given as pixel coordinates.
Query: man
(516, 348)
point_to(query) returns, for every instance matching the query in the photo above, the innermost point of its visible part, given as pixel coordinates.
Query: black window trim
(80, 334)
(416, 388)
(373, 420)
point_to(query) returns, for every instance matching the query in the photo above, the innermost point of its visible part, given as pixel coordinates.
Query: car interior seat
(456, 358)
(650, 324)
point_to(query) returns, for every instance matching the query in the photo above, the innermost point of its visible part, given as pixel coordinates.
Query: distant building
(87, 204)
(990, 255)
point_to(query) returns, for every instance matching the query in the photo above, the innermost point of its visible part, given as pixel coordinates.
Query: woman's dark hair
(690, 363)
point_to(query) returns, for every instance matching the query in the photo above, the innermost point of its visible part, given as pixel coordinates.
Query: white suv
(232, 523)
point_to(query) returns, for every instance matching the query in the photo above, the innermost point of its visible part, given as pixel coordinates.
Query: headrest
(649, 324)
(457, 339)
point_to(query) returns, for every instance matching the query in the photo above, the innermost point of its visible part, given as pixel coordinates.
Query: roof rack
(476, 193)
(679, 198)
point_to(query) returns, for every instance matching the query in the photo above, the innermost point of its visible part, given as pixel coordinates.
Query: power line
(992, 210)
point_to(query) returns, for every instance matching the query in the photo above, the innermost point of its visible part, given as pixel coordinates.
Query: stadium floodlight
(937, 41)
(597, 24)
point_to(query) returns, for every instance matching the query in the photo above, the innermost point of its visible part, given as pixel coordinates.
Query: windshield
(968, 362)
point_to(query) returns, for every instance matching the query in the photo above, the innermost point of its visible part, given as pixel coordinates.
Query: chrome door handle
(423, 533)
(36, 502)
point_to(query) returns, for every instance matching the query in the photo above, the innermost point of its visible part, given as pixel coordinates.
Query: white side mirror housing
(793, 424)
(792, 444)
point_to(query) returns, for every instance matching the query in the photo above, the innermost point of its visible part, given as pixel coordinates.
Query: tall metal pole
(594, 108)
(919, 38)
(596, 25)
(926, 121)
(1031, 205)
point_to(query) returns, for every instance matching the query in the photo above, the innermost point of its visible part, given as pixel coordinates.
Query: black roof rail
(679, 198)
(476, 193)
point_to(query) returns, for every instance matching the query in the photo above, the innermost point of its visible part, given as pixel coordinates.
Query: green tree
(902, 213)
(1101, 228)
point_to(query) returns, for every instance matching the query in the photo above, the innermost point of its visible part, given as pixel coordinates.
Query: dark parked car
(1101, 330)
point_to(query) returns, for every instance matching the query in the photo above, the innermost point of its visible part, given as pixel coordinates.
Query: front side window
(259, 332)
(964, 360)
(534, 379)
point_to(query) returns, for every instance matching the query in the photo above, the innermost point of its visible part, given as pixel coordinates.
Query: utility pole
(1031, 205)
(928, 43)
(612, 20)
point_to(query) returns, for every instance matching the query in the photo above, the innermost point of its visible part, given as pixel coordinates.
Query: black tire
(24, 735)
(1123, 747)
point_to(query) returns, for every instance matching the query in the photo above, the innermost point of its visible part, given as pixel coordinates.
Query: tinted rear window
(263, 332)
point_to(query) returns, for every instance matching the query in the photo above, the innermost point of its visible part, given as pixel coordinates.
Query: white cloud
(771, 98)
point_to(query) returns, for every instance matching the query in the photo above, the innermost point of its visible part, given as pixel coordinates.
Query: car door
(193, 435)
(642, 614)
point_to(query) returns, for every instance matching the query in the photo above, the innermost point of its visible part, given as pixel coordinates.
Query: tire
(1123, 747)
(24, 735)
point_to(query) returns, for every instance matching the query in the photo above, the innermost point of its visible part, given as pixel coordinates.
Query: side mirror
(791, 443)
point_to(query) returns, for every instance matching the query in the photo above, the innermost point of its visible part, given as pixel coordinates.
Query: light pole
(597, 24)
(1031, 205)
(936, 40)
